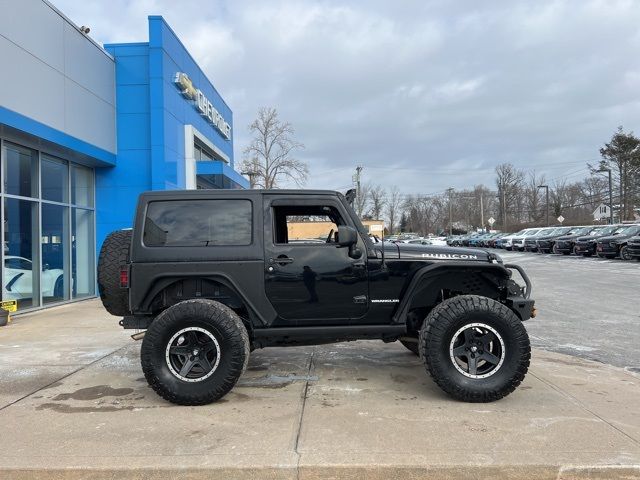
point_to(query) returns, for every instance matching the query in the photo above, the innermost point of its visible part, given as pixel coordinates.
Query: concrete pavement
(74, 404)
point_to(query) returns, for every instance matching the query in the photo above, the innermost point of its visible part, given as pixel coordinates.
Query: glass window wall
(48, 228)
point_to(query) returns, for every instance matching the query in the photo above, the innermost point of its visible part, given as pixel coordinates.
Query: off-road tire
(218, 319)
(411, 346)
(451, 315)
(114, 254)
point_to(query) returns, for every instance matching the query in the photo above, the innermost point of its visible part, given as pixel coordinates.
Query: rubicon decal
(385, 300)
(450, 256)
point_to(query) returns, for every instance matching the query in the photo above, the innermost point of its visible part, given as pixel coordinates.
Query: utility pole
(481, 212)
(546, 187)
(450, 191)
(356, 180)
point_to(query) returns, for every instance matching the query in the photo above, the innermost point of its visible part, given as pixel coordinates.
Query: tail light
(124, 277)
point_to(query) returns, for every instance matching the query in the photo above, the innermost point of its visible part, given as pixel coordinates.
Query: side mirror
(347, 236)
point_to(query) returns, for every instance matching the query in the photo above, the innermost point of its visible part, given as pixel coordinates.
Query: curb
(329, 472)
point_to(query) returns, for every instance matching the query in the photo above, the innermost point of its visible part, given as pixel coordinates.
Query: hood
(610, 238)
(568, 237)
(435, 252)
(588, 238)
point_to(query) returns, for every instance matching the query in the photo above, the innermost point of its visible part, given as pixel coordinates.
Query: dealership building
(83, 130)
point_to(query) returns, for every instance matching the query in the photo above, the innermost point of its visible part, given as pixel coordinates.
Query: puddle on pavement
(64, 408)
(276, 381)
(94, 393)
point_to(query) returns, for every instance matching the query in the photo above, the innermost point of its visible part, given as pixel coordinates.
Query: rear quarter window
(198, 223)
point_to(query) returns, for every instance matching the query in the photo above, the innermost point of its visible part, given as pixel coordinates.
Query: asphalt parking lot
(588, 307)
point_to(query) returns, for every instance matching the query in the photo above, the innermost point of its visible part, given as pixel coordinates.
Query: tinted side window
(198, 223)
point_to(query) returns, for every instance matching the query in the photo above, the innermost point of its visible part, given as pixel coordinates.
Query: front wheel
(624, 253)
(475, 348)
(194, 352)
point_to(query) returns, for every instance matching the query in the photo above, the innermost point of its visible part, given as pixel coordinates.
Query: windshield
(581, 231)
(562, 231)
(602, 231)
(633, 229)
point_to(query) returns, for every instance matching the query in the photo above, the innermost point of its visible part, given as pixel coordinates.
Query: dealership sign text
(202, 104)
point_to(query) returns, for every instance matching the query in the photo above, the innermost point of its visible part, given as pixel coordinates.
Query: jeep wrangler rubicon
(211, 275)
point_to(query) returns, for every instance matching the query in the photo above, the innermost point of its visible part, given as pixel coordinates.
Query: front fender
(472, 278)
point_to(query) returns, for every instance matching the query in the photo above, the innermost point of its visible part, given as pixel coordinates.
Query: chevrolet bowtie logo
(186, 87)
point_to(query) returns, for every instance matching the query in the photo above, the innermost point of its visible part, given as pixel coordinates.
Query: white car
(18, 280)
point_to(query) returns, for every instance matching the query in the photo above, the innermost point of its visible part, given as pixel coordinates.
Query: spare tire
(114, 254)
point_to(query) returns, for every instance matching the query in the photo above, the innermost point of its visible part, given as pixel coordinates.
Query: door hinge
(360, 299)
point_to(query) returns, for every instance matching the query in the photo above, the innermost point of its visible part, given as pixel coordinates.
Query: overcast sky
(424, 94)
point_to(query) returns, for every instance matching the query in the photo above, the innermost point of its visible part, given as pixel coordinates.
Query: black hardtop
(170, 194)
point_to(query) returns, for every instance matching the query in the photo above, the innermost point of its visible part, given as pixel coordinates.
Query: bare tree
(536, 206)
(509, 182)
(362, 199)
(268, 157)
(378, 198)
(393, 206)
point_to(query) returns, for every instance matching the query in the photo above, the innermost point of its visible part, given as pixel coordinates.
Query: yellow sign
(9, 305)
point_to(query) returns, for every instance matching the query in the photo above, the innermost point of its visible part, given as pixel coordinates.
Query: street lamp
(608, 170)
(251, 174)
(450, 191)
(546, 187)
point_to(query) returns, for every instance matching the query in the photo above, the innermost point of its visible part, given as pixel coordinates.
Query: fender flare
(423, 273)
(164, 281)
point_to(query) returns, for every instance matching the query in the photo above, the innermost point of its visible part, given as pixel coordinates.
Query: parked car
(586, 245)
(517, 243)
(18, 279)
(507, 240)
(493, 242)
(205, 307)
(566, 243)
(530, 242)
(477, 240)
(616, 245)
(545, 244)
(633, 247)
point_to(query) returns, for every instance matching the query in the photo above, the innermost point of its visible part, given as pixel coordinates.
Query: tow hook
(140, 335)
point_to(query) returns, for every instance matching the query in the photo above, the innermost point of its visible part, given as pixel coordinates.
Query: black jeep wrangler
(214, 274)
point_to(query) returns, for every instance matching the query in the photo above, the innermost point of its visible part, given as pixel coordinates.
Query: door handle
(281, 260)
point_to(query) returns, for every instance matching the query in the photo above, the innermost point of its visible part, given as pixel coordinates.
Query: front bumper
(582, 248)
(523, 306)
(607, 249)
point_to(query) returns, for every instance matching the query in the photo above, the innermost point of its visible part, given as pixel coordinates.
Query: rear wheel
(114, 255)
(194, 352)
(475, 348)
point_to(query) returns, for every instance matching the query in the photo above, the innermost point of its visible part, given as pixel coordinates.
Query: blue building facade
(168, 136)
(84, 129)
